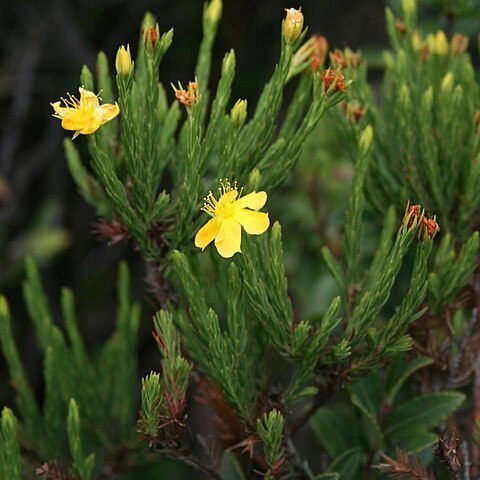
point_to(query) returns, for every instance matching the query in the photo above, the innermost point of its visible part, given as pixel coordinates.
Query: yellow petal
(92, 125)
(60, 111)
(254, 223)
(253, 200)
(107, 112)
(88, 100)
(208, 232)
(74, 119)
(229, 238)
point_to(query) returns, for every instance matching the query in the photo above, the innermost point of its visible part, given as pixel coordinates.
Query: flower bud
(408, 7)
(238, 114)
(123, 61)
(214, 11)
(447, 84)
(417, 42)
(293, 24)
(441, 44)
(366, 139)
(228, 65)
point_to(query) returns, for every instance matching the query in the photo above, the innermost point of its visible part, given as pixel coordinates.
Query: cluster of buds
(332, 77)
(347, 58)
(293, 25)
(415, 216)
(186, 97)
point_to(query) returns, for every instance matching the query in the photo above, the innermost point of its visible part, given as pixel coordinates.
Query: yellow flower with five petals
(86, 115)
(230, 213)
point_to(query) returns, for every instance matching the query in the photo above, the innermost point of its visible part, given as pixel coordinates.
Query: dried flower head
(459, 44)
(337, 59)
(401, 27)
(353, 111)
(415, 216)
(151, 36)
(86, 115)
(319, 52)
(332, 77)
(230, 213)
(186, 97)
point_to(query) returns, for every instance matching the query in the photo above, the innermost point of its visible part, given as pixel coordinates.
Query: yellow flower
(230, 213)
(86, 115)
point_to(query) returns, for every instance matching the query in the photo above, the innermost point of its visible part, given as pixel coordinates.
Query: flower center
(224, 206)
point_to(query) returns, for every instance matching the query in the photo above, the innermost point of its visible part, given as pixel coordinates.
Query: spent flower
(151, 37)
(86, 115)
(332, 77)
(187, 97)
(229, 214)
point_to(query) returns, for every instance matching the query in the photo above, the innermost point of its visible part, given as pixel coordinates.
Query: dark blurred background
(43, 47)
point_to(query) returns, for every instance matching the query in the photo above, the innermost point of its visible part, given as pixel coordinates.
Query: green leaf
(327, 476)
(418, 441)
(231, 470)
(368, 394)
(398, 373)
(335, 429)
(347, 464)
(422, 413)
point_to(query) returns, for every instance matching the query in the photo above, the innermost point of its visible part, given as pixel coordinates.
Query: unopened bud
(214, 11)
(408, 7)
(238, 114)
(123, 61)
(447, 83)
(366, 140)
(228, 65)
(151, 37)
(417, 43)
(459, 44)
(293, 24)
(441, 44)
(254, 179)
